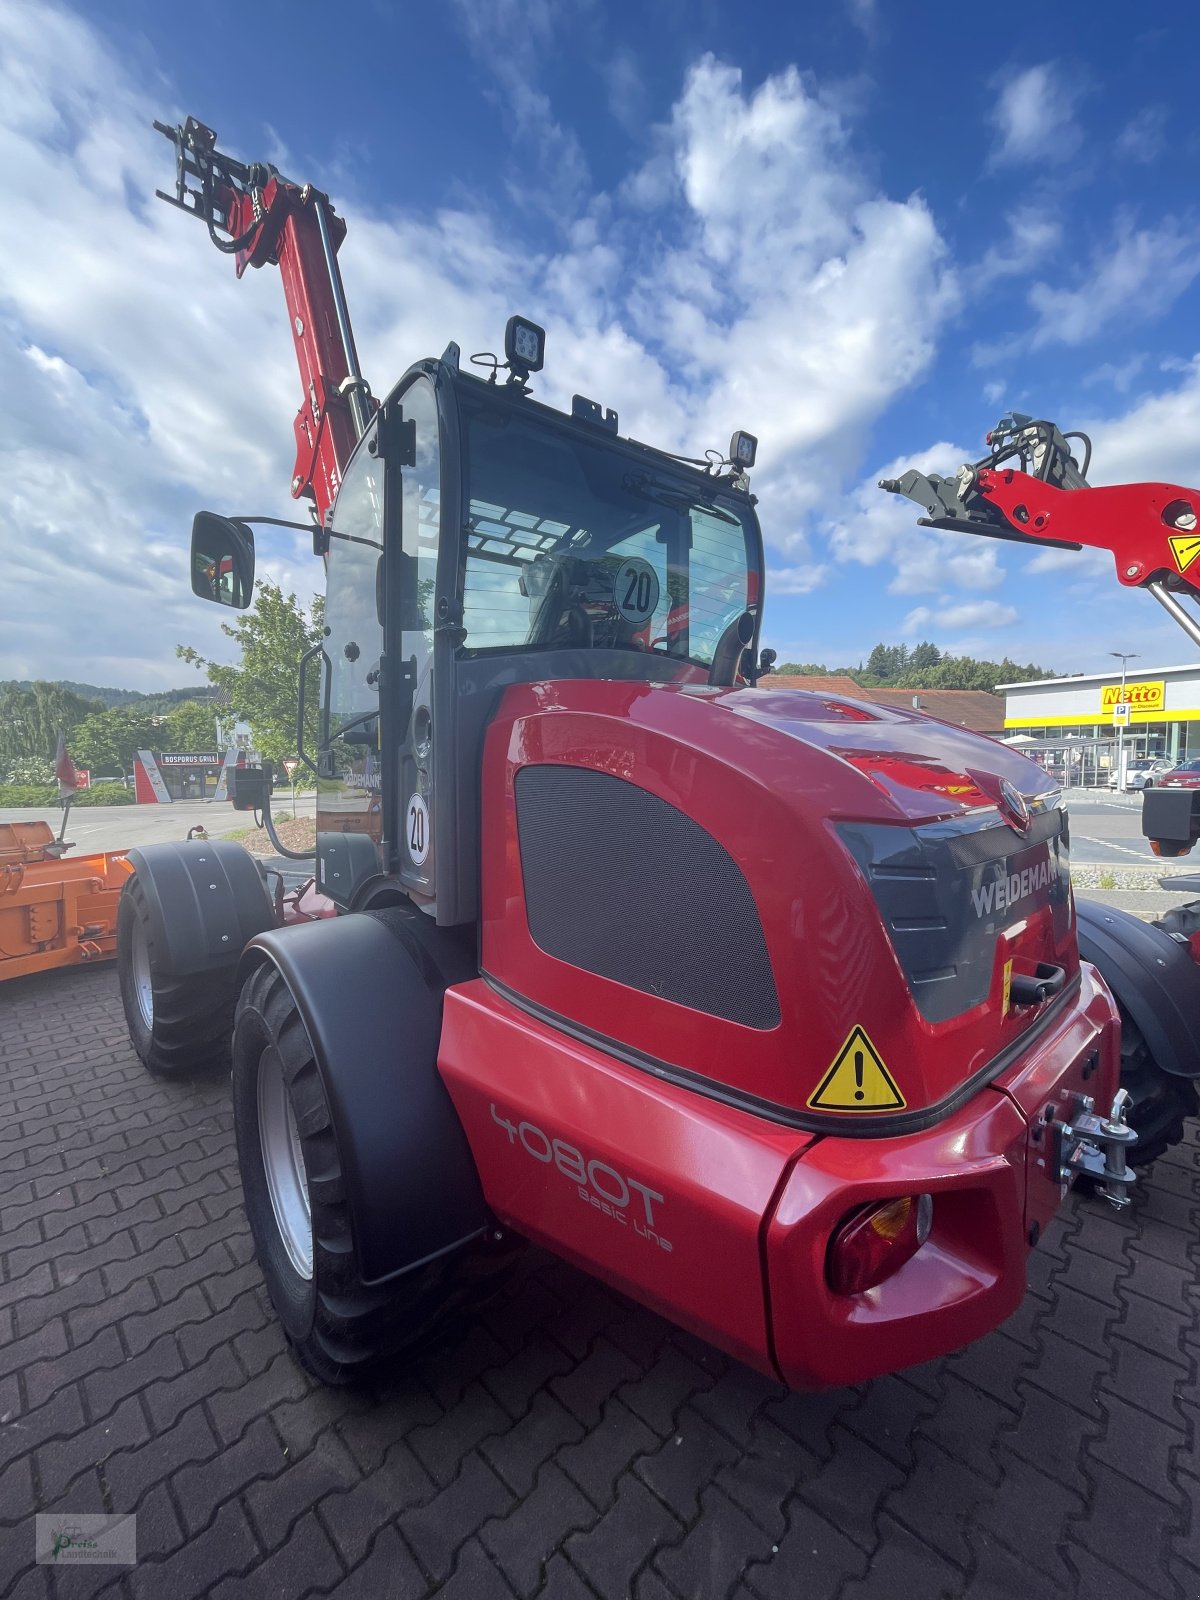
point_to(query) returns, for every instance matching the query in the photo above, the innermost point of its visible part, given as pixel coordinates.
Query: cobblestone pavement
(570, 1444)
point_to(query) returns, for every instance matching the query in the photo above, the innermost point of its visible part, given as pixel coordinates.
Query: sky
(860, 231)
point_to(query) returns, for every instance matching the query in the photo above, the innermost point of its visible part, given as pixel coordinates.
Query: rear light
(876, 1242)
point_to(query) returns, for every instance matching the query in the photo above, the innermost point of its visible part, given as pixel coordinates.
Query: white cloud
(993, 392)
(1134, 276)
(969, 614)
(1034, 116)
(796, 580)
(1034, 232)
(1143, 137)
(864, 14)
(775, 288)
(1156, 440)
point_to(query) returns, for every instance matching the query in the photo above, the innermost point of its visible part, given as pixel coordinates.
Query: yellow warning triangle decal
(857, 1080)
(1185, 547)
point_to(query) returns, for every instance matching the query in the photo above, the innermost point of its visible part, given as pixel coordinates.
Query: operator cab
(480, 538)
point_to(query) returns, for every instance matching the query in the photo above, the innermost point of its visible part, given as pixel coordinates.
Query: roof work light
(524, 346)
(743, 448)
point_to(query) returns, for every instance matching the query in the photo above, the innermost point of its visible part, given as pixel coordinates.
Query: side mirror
(222, 560)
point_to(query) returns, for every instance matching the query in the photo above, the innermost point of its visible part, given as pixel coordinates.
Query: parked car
(1143, 773)
(1184, 776)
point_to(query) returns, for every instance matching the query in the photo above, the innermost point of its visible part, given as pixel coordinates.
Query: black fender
(206, 900)
(1153, 976)
(369, 989)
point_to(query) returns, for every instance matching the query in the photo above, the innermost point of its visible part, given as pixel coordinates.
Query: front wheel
(178, 1025)
(291, 1170)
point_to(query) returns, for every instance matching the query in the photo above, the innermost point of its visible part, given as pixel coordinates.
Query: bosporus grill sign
(1137, 696)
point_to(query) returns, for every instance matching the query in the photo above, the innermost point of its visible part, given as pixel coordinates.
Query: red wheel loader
(765, 1007)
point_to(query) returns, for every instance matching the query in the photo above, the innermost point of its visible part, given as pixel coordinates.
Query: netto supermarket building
(1068, 724)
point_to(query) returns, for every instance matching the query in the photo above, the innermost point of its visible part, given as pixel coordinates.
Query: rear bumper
(722, 1221)
(985, 1167)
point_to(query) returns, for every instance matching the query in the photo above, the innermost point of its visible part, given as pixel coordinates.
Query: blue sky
(861, 231)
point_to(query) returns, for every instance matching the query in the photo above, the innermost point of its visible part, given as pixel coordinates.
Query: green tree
(271, 637)
(108, 740)
(191, 726)
(32, 718)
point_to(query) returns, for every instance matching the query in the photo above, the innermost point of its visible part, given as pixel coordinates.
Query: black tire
(1159, 1103)
(179, 1026)
(341, 1330)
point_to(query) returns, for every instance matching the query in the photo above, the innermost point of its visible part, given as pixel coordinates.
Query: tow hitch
(1087, 1145)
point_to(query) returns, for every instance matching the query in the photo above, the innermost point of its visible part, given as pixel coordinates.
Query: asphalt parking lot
(569, 1444)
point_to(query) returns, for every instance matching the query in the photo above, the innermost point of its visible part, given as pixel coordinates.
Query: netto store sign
(189, 758)
(1145, 698)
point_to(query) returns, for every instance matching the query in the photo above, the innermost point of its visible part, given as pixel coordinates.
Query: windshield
(572, 542)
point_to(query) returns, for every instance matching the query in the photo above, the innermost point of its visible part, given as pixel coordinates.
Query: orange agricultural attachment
(54, 912)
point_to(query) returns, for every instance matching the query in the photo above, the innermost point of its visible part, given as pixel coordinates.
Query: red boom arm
(268, 220)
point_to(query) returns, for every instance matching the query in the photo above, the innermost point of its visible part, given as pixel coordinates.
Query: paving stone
(130, 1473)
(306, 1562)
(443, 1446)
(241, 1402)
(938, 1500)
(1000, 1575)
(103, 1390)
(659, 1394)
(634, 1526)
(904, 1566)
(849, 1487)
(44, 1378)
(387, 1573)
(967, 1425)
(1128, 1528)
(200, 1489)
(166, 1401)
(608, 1449)
(1140, 1446)
(224, 1549)
(475, 1576)
(888, 1415)
(355, 1516)
(715, 1551)
(1147, 1381)
(435, 1531)
(1053, 1436)
(1027, 1515)
(523, 1542)
(809, 1418)
(588, 1388)
(60, 1460)
(812, 1559)
(685, 1464)
(275, 1504)
(518, 1454)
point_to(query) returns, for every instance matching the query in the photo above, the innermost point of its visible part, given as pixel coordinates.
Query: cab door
(411, 603)
(350, 800)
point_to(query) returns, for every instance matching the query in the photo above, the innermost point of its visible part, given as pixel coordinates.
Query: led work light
(524, 345)
(743, 448)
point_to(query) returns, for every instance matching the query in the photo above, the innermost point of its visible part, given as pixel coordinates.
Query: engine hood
(917, 767)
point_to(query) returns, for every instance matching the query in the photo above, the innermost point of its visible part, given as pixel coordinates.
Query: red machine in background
(1030, 489)
(766, 1007)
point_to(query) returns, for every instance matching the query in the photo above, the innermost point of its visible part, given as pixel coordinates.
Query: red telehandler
(765, 1007)
(1031, 489)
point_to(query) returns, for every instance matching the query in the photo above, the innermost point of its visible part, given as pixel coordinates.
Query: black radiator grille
(619, 883)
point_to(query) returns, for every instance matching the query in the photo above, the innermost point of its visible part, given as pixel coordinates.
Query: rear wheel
(1158, 1102)
(295, 1199)
(179, 1025)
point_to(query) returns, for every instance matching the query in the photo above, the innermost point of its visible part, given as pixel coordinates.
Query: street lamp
(1123, 656)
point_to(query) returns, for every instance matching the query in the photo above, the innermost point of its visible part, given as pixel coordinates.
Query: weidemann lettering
(1004, 892)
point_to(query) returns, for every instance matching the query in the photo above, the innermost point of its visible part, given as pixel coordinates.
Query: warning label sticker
(857, 1080)
(1185, 547)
